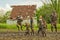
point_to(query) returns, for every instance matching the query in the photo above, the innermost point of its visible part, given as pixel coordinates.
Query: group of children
(42, 25)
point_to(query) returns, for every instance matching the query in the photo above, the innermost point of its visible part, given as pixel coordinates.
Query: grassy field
(7, 26)
(4, 26)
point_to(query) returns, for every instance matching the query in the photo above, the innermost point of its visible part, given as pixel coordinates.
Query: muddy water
(21, 36)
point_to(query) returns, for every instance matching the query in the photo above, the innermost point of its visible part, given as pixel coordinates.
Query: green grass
(7, 26)
(13, 28)
(49, 26)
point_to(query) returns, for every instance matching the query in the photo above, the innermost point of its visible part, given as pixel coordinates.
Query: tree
(5, 17)
(47, 9)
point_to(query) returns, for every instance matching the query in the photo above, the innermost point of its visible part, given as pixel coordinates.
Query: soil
(21, 36)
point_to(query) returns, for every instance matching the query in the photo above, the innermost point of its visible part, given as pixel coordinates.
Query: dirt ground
(21, 36)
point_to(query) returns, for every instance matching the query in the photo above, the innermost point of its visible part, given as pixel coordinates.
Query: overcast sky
(6, 4)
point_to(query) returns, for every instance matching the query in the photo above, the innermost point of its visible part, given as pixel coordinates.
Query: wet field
(21, 36)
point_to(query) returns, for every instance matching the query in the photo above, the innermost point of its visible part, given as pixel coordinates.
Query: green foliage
(5, 17)
(47, 9)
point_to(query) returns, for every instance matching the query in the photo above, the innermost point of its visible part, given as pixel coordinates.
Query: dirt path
(21, 36)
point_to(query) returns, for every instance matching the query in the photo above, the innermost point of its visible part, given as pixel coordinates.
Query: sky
(6, 4)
